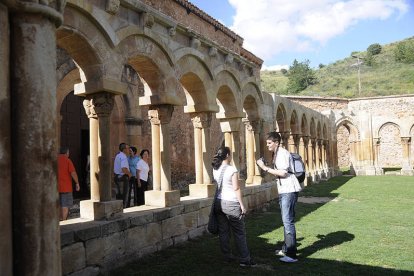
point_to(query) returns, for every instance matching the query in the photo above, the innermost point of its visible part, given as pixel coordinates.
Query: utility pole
(359, 73)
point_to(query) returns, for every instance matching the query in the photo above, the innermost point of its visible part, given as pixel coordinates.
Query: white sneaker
(279, 253)
(287, 259)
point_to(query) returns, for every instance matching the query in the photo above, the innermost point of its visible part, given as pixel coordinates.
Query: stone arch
(228, 93)
(390, 147)
(196, 79)
(319, 130)
(153, 67)
(304, 127)
(251, 88)
(74, 11)
(79, 49)
(324, 132)
(250, 107)
(348, 136)
(281, 119)
(184, 55)
(294, 123)
(312, 129)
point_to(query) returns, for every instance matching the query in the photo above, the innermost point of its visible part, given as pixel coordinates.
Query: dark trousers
(133, 187)
(124, 182)
(141, 191)
(231, 221)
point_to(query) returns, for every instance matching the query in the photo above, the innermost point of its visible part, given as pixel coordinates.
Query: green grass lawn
(365, 229)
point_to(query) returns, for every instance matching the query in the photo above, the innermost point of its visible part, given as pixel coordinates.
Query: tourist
(66, 172)
(288, 188)
(229, 208)
(122, 173)
(133, 182)
(142, 175)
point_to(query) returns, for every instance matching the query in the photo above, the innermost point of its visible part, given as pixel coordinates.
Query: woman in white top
(229, 207)
(142, 175)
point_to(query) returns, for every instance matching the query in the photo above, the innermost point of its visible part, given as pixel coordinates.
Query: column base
(162, 198)
(249, 180)
(202, 190)
(97, 210)
(257, 179)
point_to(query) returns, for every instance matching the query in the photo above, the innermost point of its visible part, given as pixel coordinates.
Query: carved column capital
(99, 105)
(52, 9)
(201, 119)
(405, 140)
(160, 114)
(248, 124)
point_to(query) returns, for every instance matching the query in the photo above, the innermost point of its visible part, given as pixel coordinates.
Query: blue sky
(322, 31)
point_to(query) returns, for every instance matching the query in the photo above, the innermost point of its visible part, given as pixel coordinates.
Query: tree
(374, 49)
(284, 71)
(300, 76)
(404, 52)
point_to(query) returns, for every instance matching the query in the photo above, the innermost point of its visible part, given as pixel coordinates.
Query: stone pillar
(6, 243)
(257, 128)
(302, 152)
(162, 195)
(310, 159)
(378, 169)
(407, 167)
(318, 151)
(231, 129)
(250, 161)
(36, 235)
(292, 147)
(202, 187)
(285, 139)
(98, 108)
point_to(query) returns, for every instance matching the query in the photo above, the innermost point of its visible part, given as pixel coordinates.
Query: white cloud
(271, 27)
(274, 67)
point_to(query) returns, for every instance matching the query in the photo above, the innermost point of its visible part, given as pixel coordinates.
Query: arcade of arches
(165, 76)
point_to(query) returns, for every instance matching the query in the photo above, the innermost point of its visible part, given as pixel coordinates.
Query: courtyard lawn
(364, 227)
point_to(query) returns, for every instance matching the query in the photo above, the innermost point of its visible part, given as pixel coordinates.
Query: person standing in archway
(122, 173)
(66, 172)
(288, 188)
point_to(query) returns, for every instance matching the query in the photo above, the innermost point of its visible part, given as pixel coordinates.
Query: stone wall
(93, 247)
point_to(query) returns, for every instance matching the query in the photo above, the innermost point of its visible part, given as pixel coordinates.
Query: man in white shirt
(122, 173)
(288, 188)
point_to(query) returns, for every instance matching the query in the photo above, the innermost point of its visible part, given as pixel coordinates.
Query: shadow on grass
(202, 256)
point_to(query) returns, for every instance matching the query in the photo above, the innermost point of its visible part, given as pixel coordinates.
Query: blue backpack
(297, 167)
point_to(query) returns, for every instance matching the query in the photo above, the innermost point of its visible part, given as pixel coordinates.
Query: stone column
(378, 169)
(285, 140)
(407, 167)
(162, 195)
(302, 152)
(6, 244)
(311, 158)
(291, 144)
(36, 235)
(98, 108)
(250, 162)
(257, 128)
(203, 186)
(231, 129)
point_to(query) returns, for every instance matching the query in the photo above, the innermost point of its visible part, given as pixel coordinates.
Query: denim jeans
(287, 204)
(230, 218)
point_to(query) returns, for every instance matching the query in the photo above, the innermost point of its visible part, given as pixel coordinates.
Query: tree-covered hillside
(385, 75)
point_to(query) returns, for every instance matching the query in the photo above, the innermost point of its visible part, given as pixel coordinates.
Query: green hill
(385, 77)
